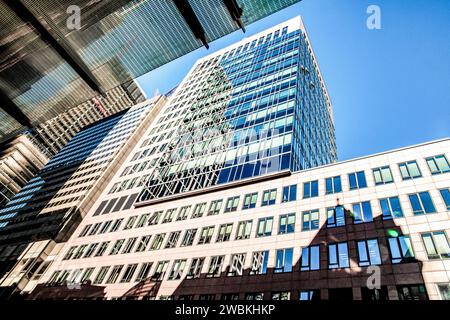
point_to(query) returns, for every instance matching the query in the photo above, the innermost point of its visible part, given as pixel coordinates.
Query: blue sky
(389, 88)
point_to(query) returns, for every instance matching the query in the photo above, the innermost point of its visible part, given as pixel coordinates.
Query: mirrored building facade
(256, 108)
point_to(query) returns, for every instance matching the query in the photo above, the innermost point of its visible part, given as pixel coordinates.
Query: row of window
(368, 253)
(361, 212)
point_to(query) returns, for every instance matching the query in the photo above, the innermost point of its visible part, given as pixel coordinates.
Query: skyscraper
(47, 210)
(255, 108)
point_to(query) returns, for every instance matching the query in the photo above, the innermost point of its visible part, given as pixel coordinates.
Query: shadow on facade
(341, 283)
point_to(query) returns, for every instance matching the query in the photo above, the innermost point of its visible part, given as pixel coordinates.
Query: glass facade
(116, 41)
(258, 107)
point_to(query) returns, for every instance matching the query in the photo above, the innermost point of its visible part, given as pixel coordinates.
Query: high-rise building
(256, 108)
(21, 158)
(51, 204)
(23, 155)
(58, 54)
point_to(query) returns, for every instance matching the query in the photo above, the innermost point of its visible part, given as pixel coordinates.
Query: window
(357, 180)
(444, 290)
(409, 170)
(170, 214)
(90, 250)
(177, 269)
(116, 247)
(382, 175)
(188, 238)
(438, 164)
(160, 270)
(101, 275)
(129, 272)
(195, 269)
(84, 231)
(114, 275)
(310, 220)
(206, 235)
(338, 255)
(259, 262)
(283, 262)
(154, 219)
(116, 225)
(94, 229)
(129, 245)
(333, 185)
(391, 208)
(281, 295)
(87, 275)
(264, 227)
(254, 296)
(215, 266)
(287, 223)
(400, 249)
(237, 264)
(310, 259)
(232, 204)
(335, 216)
(157, 241)
(130, 223)
(445, 193)
(172, 239)
(290, 193)
(362, 212)
(340, 294)
(224, 232)
(243, 230)
(144, 271)
(412, 292)
(69, 253)
(102, 249)
(142, 220)
(421, 203)
(183, 213)
(374, 294)
(143, 243)
(368, 253)
(309, 295)
(199, 209)
(436, 244)
(310, 189)
(105, 227)
(250, 200)
(214, 207)
(269, 197)
(79, 252)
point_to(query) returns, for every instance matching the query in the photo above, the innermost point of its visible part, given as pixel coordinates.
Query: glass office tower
(256, 108)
